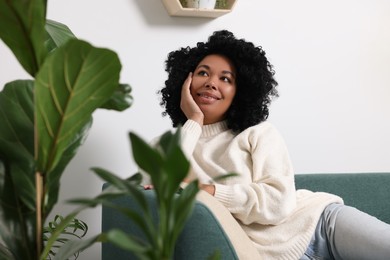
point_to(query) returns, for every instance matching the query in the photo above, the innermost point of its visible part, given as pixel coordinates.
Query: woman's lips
(205, 98)
(208, 96)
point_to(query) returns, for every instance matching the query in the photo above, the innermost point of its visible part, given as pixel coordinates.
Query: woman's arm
(268, 195)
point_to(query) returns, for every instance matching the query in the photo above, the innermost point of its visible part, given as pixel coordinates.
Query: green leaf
(17, 137)
(124, 241)
(145, 156)
(144, 221)
(74, 229)
(17, 121)
(24, 185)
(73, 247)
(22, 30)
(182, 208)
(17, 222)
(55, 234)
(121, 184)
(169, 141)
(129, 185)
(74, 81)
(176, 167)
(5, 253)
(53, 179)
(57, 34)
(121, 99)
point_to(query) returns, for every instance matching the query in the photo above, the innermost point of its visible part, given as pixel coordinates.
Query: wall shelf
(174, 8)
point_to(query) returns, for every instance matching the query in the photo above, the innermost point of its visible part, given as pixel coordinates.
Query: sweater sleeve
(190, 134)
(270, 195)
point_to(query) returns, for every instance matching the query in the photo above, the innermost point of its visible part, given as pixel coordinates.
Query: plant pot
(201, 4)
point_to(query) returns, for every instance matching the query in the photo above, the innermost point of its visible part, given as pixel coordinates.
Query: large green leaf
(17, 137)
(17, 187)
(75, 80)
(17, 120)
(17, 222)
(57, 34)
(53, 179)
(22, 28)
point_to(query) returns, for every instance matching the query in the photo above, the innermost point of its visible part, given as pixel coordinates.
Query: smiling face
(213, 87)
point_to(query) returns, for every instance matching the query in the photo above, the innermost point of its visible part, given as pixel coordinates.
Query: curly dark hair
(255, 81)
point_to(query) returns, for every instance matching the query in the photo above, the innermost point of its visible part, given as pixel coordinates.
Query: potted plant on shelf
(204, 4)
(221, 4)
(44, 120)
(201, 4)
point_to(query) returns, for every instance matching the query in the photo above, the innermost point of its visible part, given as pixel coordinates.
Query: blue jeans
(344, 232)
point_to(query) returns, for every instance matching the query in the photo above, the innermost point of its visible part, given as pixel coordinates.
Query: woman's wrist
(198, 117)
(209, 188)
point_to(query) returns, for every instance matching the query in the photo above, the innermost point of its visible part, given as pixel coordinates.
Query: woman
(222, 107)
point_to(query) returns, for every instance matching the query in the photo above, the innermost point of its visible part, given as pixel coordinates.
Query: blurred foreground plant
(167, 166)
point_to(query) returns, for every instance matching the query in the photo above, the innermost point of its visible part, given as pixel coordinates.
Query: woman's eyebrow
(229, 72)
(208, 67)
(203, 66)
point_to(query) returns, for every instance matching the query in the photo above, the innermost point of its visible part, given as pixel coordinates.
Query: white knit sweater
(278, 219)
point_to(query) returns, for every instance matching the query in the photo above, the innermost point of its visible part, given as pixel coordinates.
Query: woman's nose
(210, 84)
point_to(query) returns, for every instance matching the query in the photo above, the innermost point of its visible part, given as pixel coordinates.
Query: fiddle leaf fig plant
(46, 118)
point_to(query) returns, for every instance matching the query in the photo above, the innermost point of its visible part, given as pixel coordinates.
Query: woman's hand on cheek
(188, 104)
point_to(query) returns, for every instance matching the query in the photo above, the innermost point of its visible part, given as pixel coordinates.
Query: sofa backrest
(369, 192)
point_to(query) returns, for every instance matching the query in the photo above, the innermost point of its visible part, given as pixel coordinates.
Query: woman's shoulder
(264, 127)
(263, 132)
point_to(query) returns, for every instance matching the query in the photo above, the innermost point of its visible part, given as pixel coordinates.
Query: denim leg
(356, 235)
(318, 248)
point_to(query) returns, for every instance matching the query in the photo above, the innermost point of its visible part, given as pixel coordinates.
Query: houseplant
(221, 4)
(45, 119)
(167, 166)
(215, 4)
(201, 4)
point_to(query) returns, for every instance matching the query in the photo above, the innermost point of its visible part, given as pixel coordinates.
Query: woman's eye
(226, 79)
(202, 73)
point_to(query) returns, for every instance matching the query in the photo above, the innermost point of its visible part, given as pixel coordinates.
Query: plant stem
(39, 199)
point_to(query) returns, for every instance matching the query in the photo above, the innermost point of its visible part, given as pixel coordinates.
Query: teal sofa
(203, 233)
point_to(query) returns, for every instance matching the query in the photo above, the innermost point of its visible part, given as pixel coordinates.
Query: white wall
(332, 61)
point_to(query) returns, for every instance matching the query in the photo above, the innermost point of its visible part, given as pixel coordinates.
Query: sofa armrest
(243, 246)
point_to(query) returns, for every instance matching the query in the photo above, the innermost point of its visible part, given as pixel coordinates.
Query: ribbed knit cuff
(190, 134)
(192, 127)
(224, 194)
